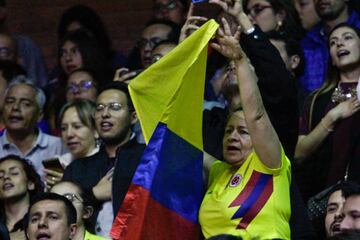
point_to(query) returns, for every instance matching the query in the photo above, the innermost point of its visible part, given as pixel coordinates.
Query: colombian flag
(167, 188)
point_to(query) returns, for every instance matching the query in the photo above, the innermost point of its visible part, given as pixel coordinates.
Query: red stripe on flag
(247, 189)
(258, 205)
(151, 221)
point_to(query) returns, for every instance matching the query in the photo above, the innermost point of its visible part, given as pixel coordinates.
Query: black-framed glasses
(114, 106)
(72, 197)
(152, 42)
(83, 85)
(156, 57)
(169, 6)
(256, 9)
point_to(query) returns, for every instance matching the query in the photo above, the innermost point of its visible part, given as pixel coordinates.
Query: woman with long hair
(328, 148)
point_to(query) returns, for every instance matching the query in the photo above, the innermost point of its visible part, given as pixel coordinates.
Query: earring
(279, 25)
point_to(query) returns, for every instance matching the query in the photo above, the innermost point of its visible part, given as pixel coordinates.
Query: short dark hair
(30, 172)
(11, 70)
(174, 33)
(69, 207)
(292, 47)
(123, 87)
(351, 189)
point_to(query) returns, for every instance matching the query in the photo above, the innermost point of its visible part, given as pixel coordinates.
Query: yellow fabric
(89, 236)
(272, 221)
(174, 85)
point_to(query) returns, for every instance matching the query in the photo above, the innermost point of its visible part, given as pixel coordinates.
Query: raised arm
(264, 138)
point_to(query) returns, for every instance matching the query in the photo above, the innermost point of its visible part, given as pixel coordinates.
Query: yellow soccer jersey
(252, 199)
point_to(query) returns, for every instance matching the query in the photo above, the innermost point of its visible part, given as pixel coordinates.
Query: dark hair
(11, 70)
(166, 42)
(332, 76)
(292, 48)
(123, 87)
(175, 28)
(30, 172)
(92, 57)
(291, 25)
(84, 108)
(69, 207)
(90, 21)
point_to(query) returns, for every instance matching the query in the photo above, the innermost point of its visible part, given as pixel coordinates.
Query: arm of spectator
(191, 24)
(102, 190)
(307, 144)
(263, 136)
(52, 177)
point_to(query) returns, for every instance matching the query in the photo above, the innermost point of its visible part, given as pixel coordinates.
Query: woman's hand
(52, 177)
(345, 109)
(228, 44)
(124, 75)
(231, 7)
(102, 190)
(191, 24)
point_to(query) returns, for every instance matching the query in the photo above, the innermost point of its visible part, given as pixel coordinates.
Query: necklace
(340, 95)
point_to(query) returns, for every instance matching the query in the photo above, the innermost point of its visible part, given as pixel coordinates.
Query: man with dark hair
(51, 216)
(351, 209)
(173, 10)
(109, 172)
(155, 31)
(331, 13)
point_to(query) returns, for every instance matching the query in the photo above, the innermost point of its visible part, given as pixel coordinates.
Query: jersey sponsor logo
(252, 198)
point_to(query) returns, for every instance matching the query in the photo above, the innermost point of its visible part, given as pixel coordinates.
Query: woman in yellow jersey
(248, 194)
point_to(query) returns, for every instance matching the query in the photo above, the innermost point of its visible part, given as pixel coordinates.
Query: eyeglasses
(84, 85)
(256, 9)
(169, 6)
(114, 106)
(156, 58)
(72, 197)
(6, 52)
(152, 42)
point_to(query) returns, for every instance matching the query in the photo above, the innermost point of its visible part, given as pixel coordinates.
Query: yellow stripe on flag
(171, 91)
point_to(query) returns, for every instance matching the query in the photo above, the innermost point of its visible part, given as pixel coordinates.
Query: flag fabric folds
(167, 189)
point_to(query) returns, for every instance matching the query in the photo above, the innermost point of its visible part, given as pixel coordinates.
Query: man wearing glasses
(109, 172)
(173, 10)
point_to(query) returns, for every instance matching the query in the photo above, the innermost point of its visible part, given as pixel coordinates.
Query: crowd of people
(279, 122)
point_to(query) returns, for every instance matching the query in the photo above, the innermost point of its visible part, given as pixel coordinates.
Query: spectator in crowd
(19, 184)
(78, 133)
(279, 15)
(84, 17)
(77, 50)
(27, 51)
(8, 48)
(109, 172)
(351, 209)
(161, 49)
(172, 10)
(154, 32)
(51, 216)
(251, 149)
(83, 204)
(23, 108)
(82, 84)
(315, 43)
(328, 146)
(307, 13)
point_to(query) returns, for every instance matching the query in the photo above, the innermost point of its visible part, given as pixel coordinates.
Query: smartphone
(53, 164)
